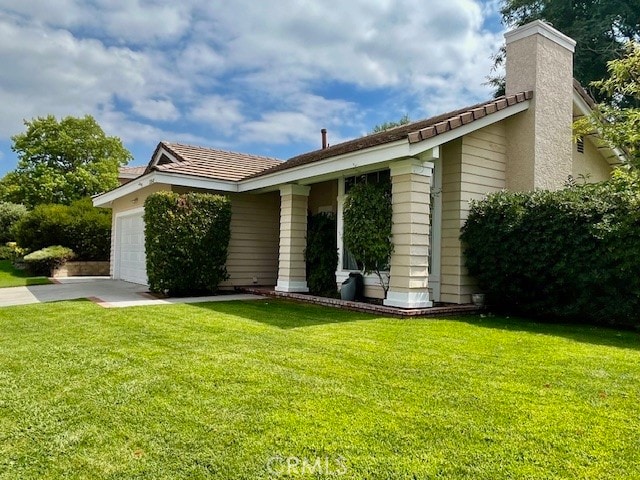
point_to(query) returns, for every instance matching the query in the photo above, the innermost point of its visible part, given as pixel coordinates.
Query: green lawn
(12, 277)
(241, 390)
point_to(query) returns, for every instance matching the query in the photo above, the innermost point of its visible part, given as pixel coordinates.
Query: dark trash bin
(359, 285)
(352, 288)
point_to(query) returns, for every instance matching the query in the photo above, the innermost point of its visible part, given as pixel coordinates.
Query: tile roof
(210, 163)
(414, 132)
(131, 171)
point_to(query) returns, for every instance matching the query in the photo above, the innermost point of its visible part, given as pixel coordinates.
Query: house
(521, 141)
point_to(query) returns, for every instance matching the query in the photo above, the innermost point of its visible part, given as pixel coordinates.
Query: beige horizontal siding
(253, 248)
(472, 167)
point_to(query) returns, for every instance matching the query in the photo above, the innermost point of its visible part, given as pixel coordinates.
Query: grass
(269, 389)
(12, 277)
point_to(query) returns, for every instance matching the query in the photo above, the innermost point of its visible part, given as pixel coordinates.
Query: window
(580, 144)
(373, 177)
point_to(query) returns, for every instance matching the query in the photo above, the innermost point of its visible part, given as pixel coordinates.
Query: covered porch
(414, 267)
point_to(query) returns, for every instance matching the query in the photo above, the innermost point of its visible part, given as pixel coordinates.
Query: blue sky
(242, 75)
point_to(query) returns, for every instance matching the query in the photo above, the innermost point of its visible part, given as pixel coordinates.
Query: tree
(367, 227)
(62, 161)
(600, 27)
(616, 123)
(387, 125)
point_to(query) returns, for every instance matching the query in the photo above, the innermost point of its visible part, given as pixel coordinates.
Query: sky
(242, 75)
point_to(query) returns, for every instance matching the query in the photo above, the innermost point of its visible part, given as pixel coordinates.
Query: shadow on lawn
(8, 271)
(284, 314)
(596, 335)
(7, 267)
(289, 315)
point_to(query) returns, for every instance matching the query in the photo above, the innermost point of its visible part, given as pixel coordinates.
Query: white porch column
(410, 189)
(293, 239)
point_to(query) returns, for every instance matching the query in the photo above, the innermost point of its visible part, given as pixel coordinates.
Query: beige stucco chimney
(539, 141)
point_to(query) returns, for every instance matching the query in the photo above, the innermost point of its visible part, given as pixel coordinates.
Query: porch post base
(292, 286)
(408, 300)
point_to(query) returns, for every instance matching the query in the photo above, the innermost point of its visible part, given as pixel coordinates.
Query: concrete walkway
(104, 291)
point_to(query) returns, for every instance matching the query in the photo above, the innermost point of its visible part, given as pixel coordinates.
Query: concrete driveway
(101, 290)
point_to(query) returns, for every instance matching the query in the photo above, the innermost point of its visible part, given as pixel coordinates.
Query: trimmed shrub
(570, 254)
(89, 231)
(6, 252)
(11, 251)
(43, 262)
(10, 213)
(321, 254)
(186, 241)
(79, 226)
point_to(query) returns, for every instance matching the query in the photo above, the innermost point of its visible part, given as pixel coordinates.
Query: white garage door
(131, 260)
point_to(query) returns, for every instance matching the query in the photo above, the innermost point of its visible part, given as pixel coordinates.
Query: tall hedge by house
(321, 254)
(186, 240)
(571, 254)
(79, 226)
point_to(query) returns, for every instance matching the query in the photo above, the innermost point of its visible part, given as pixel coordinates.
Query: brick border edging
(366, 307)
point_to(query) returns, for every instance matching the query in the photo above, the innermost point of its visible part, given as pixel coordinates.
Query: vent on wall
(580, 144)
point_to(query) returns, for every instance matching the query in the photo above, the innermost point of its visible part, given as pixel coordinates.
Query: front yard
(268, 389)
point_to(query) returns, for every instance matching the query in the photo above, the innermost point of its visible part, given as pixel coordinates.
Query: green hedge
(570, 254)
(186, 241)
(42, 262)
(321, 254)
(79, 226)
(10, 213)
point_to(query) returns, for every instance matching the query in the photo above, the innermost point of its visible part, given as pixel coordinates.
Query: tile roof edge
(469, 116)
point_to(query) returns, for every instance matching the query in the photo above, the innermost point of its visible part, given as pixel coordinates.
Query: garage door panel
(131, 254)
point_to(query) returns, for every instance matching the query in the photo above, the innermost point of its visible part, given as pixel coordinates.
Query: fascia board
(105, 199)
(195, 182)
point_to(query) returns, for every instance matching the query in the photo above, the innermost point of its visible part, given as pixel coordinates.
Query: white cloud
(281, 128)
(306, 115)
(156, 109)
(203, 70)
(143, 22)
(51, 71)
(218, 112)
(197, 58)
(372, 44)
(131, 131)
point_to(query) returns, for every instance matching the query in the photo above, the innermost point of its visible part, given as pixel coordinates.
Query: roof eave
(615, 156)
